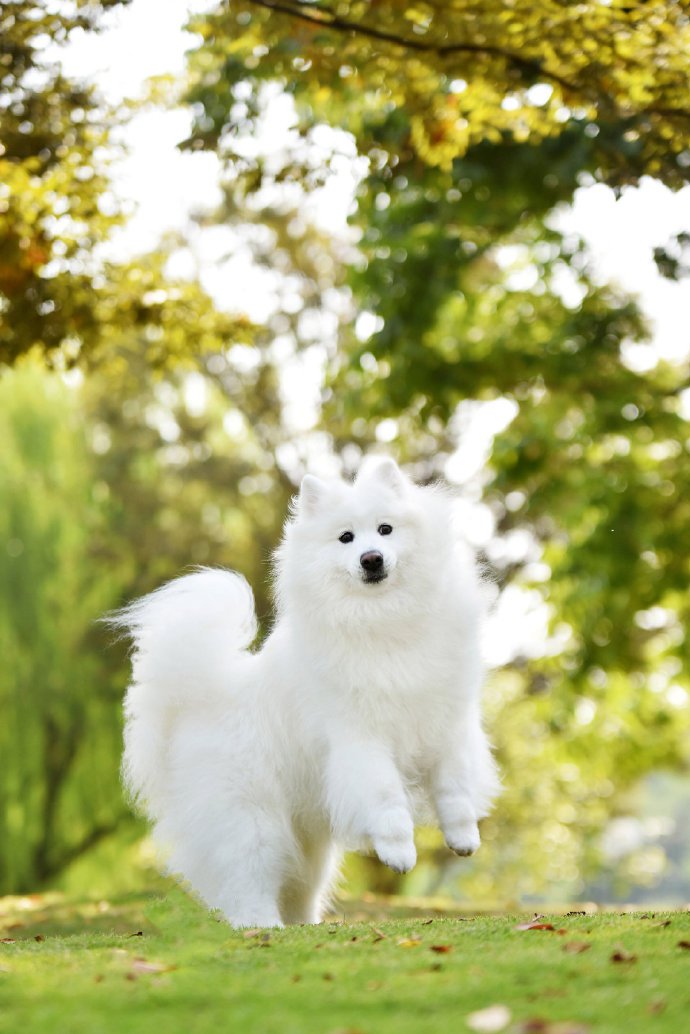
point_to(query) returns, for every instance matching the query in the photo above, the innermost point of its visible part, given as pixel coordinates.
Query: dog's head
(365, 548)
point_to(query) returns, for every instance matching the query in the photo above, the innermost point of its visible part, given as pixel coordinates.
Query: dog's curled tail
(190, 639)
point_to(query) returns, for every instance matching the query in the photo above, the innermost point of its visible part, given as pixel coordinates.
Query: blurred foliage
(463, 73)
(187, 459)
(57, 210)
(55, 205)
(60, 732)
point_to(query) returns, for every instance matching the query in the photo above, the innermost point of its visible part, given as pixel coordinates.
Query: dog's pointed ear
(385, 471)
(311, 493)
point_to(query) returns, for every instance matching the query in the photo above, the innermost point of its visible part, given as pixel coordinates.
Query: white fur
(359, 716)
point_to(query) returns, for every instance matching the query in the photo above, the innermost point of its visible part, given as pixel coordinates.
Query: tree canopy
(439, 78)
(59, 294)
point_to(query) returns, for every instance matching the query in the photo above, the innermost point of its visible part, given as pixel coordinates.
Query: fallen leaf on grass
(621, 955)
(409, 942)
(535, 926)
(141, 966)
(441, 949)
(657, 1006)
(8, 940)
(665, 922)
(39, 937)
(427, 922)
(261, 938)
(684, 944)
(380, 935)
(576, 947)
(576, 913)
(537, 1025)
(489, 1020)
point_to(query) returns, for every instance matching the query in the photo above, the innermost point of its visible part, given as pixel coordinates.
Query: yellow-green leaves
(518, 68)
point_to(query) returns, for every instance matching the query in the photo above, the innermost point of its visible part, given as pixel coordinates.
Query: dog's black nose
(372, 561)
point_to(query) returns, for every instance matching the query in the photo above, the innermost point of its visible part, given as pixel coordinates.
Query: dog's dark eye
(385, 529)
(346, 537)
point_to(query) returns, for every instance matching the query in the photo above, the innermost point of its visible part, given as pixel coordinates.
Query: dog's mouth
(374, 577)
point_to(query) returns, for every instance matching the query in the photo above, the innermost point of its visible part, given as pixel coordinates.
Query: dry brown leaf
(538, 1025)
(684, 944)
(535, 926)
(621, 955)
(144, 966)
(576, 947)
(442, 949)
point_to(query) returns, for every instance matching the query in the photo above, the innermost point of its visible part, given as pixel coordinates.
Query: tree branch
(74, 851)
(327, 18)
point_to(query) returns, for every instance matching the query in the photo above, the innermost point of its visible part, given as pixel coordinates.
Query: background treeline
(144, 428)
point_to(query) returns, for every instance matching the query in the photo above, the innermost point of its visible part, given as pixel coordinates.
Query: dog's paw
(398, 853)
(463, 838)
(394, 841)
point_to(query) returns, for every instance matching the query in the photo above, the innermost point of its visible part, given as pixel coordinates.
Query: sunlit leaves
(55, 206)
(465, 72)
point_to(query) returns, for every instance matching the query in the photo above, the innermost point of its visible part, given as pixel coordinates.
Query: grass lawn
(161, 964)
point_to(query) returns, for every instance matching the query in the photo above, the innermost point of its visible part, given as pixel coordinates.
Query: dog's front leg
(367, 801)
(456, 814)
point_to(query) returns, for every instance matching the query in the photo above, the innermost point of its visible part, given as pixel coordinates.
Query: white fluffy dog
(359, 715)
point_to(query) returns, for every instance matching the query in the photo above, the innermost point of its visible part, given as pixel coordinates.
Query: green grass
(161, 964)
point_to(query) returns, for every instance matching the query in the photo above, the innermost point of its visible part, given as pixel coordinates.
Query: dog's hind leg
(306, 893)
(237, 862)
